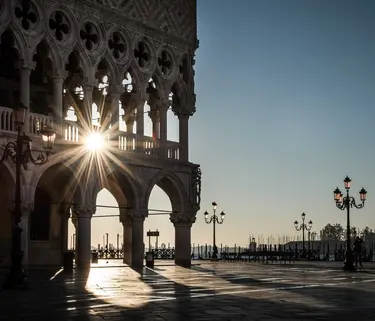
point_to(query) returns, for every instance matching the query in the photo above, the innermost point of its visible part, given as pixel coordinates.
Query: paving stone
(210, 291)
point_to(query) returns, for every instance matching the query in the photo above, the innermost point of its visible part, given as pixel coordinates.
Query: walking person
(358, 251)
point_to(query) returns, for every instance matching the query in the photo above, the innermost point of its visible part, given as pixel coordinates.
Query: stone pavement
(208, 291)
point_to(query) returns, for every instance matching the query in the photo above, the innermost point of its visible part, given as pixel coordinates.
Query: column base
(16, 278)
(186, 263)
(349, 266)
(214, 259)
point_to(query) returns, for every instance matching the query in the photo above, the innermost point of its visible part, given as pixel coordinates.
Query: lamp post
(215, 220)
(347, 202)
(19, 153)
(304, 227)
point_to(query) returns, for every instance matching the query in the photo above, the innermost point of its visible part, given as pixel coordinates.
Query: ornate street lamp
(304, 227)
(347, 202)
(214, 219)
(19, 153)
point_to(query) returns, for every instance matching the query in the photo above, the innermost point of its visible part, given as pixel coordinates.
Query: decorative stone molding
(182, 218)
(196, 184)
(137, 214)
(83, 211)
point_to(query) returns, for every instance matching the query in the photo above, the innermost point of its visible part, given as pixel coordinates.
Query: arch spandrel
(61, 180)
(122, 184)
(173, 186)
(53, 54)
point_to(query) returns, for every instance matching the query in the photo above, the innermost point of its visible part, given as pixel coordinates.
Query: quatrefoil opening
(142, 54)
(165, 62)
(89, 35)
(117, 45)
(26, 12)
(58, 23)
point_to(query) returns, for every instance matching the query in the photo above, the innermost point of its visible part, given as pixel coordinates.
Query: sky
(285, 110)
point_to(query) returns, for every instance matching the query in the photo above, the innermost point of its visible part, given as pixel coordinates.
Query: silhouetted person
(358, 251)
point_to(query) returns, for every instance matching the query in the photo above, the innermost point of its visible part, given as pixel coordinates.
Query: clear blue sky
(285, 109)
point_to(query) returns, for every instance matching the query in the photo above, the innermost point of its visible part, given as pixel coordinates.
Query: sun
(95, 142)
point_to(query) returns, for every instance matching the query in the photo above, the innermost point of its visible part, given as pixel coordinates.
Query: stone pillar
(182, 224)
(139, 141)
(26, 208)
(83, 235)
(25, 72)
(138, 218)
(88, 89)
(64, 216)
(127, 239)
(184, 136)
(115, 93)
(58, 83)
(155, 117)
(163, 128)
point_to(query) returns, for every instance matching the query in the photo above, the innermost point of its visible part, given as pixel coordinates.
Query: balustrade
(126, 141)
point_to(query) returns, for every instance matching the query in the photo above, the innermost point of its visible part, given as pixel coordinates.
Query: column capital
(163, 104)
(60, 75)
(137, 214)
(116, 90)
(26, 207)
(154, 115)
(28, 65)
(89, 84)
(83, 211)
(182, 219)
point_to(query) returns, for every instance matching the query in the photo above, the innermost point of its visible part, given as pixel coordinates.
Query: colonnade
(133, 236)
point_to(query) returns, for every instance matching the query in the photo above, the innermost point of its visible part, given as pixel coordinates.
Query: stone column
(26, 207)
(182, 224)
(163, 128)
(25, 72)
(64, 216)
(184, 136)
(127, 238)
(155, 117)
(58, 83)
(88, 89)
(115, 93)
(83, 235)
(138, 218)
(140, 107)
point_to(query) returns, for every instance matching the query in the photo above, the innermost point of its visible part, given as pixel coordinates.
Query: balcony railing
(126, 141)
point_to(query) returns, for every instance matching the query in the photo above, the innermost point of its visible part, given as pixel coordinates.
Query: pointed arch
(61, 179)
(84, 61)
(161, 85)
(172, 185)
(20, 43)
(138, 80)
(54, 52)
(122, 185)
(112, 68)
(179, 91)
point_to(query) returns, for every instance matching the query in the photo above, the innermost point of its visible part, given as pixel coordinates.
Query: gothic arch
(112, 68)
(61, 180)
(121, 185)
(139, 81)
(20, 43)
(54, 52)
(84, 60)
(179, 91)
(172, 185)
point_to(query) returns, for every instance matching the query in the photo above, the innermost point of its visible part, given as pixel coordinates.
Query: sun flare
(95, 142)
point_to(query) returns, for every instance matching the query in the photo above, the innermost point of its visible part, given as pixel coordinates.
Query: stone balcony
(126, 142)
